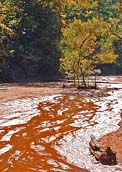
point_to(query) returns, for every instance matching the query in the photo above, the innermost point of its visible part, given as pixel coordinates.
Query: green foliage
(88, 42)
(8, 24)
(90, 32)
(30, 30)
(107, 8)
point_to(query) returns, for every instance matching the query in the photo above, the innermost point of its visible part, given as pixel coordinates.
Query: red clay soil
(14, 91)
(114, 140)
(17, 91)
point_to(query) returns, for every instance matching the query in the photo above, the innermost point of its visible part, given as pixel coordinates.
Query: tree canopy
(88, 36)
(80, 33)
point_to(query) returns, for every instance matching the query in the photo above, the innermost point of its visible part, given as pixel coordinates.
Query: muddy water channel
(52, 133)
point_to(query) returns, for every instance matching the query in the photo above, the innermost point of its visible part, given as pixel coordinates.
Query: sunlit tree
(86, 43)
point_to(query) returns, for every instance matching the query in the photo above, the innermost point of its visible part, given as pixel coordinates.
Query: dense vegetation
(88, 37)
(40, 38)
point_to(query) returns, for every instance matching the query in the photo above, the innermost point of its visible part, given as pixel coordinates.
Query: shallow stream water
(52, 133)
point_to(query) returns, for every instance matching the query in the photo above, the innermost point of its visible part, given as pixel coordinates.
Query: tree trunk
(84, 81)
(83, 78)
(95, 81)
(78, 81)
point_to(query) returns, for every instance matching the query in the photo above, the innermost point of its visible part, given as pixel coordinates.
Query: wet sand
(114, 140)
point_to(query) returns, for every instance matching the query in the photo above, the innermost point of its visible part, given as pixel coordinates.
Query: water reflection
(55, 139)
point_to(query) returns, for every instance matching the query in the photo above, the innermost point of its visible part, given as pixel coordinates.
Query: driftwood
(105, 156)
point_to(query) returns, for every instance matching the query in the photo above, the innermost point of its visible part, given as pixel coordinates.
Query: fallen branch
(105, 156)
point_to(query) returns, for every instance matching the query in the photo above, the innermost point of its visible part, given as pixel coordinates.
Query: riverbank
(27, 90)
(19, 96)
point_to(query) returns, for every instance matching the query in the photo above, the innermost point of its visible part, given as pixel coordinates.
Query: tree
(30, 33)
(84, 44)
(8, 23)
(29, 27)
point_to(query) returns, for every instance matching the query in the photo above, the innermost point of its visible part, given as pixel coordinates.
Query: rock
(105, 156)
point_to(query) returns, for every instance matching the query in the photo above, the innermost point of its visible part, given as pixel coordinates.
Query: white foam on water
(22, 110)
(76, 149)
(5, 149)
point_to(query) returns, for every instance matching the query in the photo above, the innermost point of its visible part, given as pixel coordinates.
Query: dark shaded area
(110, 69)
(18, 71)
(33, 53)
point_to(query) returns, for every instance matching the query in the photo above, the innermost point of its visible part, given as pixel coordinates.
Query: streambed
(51, 133)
